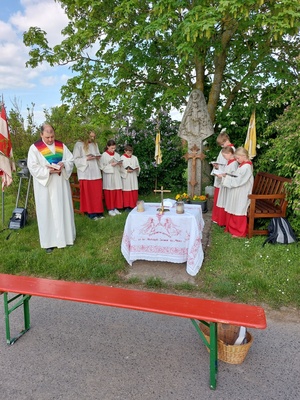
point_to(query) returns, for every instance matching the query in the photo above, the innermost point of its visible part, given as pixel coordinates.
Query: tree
(133, 57)
(22, 134)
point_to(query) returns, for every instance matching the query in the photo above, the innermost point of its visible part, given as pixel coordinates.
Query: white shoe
(112, 213)
(117, 212)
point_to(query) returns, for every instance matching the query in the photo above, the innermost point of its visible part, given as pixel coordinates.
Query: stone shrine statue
(195, 127)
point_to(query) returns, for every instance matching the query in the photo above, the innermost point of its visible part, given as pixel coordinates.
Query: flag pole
(3, 208)
(157, 155)
(2, 204)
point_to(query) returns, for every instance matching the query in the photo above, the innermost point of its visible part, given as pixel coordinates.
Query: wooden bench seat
(268, 200)
(196, 309)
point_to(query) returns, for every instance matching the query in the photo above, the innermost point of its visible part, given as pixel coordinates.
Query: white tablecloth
(169, 237)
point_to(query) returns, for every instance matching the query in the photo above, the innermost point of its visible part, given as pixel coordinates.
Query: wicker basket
(227, 334)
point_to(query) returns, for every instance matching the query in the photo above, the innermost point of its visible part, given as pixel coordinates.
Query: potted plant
(202, 200)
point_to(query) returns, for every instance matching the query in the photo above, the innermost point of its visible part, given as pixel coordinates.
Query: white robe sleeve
(68, 161)
(79, 157)
(37, 165)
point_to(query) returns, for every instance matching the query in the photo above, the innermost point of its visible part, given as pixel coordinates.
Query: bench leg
(250, 227)
(213, 354)
(212, 345)
(18, 300)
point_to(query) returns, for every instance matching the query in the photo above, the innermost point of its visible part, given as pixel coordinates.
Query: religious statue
(195, 126)
(196, 123)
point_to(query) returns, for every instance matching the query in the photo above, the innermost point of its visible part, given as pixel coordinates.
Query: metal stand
(19, 216)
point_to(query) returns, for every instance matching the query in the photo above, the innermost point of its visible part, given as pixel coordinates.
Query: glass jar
(140, 206)
(180, 207)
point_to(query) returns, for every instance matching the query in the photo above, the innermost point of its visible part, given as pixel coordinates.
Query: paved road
(81, 351)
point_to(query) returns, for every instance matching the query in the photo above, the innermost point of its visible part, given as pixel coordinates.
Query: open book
(55, 166)
(94, 155)
(215, 162)
(130, 168)
(119, 162)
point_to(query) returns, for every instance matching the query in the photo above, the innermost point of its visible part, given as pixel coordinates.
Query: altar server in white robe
(230, 168)
(130, 179)
(51, 163)
(223, 140)
(237, 201)
(87, 160)
(112, 169)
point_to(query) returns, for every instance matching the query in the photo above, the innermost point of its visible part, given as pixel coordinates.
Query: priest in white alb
(50, 163)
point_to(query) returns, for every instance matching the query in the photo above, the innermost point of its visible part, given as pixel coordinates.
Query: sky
(24, 86)
(19, 84)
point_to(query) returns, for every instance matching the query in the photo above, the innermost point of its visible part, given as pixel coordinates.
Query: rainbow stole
(47, 153)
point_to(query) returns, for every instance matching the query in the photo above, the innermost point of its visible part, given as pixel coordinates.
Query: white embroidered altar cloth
(171, 237)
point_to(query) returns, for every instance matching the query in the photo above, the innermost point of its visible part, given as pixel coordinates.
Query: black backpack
(280, 231)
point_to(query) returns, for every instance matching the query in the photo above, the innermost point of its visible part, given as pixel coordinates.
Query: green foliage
(281, 151)
(21, 136)
(134, 57)
(170, 172)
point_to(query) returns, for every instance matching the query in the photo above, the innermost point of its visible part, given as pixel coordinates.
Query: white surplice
(224, 191)
(53, 200)
(221, 160)
(89, 170)
(237, 201)
(111, 175)
(130, 179)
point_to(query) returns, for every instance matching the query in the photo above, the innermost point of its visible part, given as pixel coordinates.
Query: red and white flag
(6, 153)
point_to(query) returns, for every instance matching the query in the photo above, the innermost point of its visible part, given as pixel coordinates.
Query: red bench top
(169, 304)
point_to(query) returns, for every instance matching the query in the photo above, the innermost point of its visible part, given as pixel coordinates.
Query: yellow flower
(182, 197)
(199, 198)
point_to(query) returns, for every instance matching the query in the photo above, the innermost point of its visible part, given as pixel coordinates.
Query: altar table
(171, 237)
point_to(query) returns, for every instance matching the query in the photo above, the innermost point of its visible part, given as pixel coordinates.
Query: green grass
(240, 270)
(244, 271)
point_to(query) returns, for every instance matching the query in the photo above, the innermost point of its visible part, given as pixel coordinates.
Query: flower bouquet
(183, 197)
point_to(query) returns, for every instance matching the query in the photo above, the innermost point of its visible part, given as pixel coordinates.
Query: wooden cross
(194, 156)
(162, 191)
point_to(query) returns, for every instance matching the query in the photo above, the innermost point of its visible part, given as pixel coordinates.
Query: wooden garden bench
(268, 200)
(209, 311)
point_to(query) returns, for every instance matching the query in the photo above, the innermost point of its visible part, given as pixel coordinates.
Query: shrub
(170, 173)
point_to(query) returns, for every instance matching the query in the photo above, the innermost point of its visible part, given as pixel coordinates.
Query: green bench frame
(210, 312)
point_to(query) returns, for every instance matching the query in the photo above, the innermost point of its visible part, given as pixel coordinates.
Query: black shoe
(49, 250)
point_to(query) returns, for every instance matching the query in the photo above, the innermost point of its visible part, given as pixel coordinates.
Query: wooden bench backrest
(268, 200)
(265, 183)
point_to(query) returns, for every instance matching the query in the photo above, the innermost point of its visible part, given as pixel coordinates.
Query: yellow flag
(158, 155)
(250, 143)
